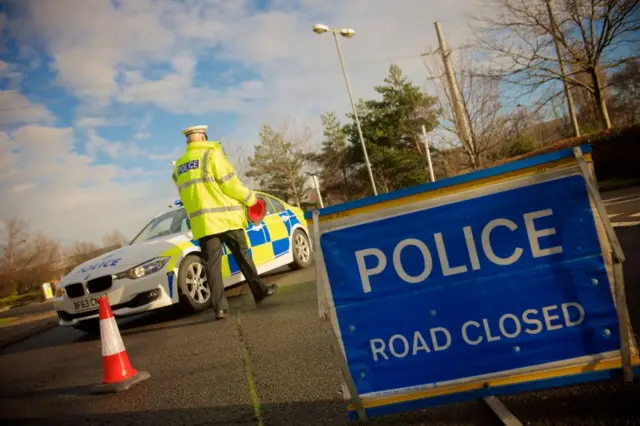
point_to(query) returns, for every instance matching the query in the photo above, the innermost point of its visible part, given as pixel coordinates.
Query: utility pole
(572, 110)
(61, 261)
(426, 148)
(61, 254)
(460, 117)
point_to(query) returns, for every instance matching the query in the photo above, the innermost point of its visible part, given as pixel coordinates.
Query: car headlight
(144, 269)
(60, 292)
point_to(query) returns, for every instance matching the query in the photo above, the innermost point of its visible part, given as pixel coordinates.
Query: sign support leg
(325, 316)
(623, 319)
(499, 409)
(346, 374)
(322, 305)
(618, 259)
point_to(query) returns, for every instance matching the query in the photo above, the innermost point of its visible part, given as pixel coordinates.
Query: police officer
(215, 199)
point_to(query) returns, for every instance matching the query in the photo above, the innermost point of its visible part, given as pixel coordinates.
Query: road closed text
(480, 331)
(475, 240)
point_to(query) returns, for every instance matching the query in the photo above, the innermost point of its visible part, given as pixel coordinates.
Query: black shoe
(221, 314)
(271, 290)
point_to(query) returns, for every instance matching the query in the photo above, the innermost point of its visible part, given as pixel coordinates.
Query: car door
(260, 237)
(279, 222)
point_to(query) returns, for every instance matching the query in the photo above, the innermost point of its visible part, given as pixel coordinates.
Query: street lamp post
(349, 33)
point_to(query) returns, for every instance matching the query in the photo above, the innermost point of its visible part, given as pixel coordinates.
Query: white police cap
(195, 129)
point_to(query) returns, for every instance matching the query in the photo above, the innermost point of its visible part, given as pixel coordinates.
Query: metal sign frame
(539, 168)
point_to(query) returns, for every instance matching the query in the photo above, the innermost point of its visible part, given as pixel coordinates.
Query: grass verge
(6, 321)
(21, 299)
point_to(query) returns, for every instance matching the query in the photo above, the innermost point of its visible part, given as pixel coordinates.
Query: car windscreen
(169, 223)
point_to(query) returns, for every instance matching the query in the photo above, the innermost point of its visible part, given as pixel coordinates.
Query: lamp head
(347, 32)
(319, 28)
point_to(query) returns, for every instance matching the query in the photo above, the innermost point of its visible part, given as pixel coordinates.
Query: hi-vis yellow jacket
(211, 193)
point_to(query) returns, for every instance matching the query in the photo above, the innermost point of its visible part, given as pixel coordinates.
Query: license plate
(87, 304)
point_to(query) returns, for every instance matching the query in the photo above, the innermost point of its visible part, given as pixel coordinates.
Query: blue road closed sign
(492, 286)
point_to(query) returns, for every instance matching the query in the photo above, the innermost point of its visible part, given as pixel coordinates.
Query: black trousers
(211, 247)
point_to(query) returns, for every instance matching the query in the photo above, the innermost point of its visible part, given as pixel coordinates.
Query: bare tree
(82, 251)
(239, 159)
(114, 239)
(17, 235)
(332, 161)
(520, 35)
(28, 261)
(481, 99)
(626, 94)
(37, 263)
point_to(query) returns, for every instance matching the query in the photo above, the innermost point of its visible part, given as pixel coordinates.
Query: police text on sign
(470, 236)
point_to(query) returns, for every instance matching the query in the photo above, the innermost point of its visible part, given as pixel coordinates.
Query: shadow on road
(168, 318)
(597, 406)
(327, 412)
(630, 241)
(592, 404)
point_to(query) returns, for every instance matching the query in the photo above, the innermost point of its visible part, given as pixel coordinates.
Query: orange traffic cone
(118, 374)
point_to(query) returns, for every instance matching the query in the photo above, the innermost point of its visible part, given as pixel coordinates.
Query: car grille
(99, 284)
(74, 290)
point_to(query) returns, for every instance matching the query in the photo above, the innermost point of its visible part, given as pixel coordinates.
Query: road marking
(606, 200)
(635, 215)
(255, 399)
(624, 224)
(623, 201)
(612, 215)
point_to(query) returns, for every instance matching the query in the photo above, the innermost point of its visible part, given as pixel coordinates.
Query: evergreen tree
(278, 164)
(392, 132)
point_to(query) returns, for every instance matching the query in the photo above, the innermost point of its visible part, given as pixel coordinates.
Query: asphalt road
(32, 308)
(203, 370)
(623, 207)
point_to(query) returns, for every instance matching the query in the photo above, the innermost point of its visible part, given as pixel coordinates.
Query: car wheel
(301, 250)
(194, 285)
(91, 326)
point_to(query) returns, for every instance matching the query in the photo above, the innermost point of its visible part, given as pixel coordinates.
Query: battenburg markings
(170, 281)
(281, 247)
(233, 264)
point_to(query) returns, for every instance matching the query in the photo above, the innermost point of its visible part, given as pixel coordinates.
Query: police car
(162, 266)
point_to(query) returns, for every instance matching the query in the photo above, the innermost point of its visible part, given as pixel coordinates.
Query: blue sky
(94, 93)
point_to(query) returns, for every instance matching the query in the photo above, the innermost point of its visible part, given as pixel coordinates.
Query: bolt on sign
(485, 284)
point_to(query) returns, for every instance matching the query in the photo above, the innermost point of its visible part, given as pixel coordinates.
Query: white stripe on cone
(111, 339)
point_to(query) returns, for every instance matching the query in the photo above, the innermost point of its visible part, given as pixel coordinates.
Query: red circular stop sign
(256, 213)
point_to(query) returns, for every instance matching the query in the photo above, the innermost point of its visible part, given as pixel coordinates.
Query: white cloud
(68, 196)
(114, 149)
(142, 135)
(169, 156)
(294, 63)
(103, 55)
(16, 109)
(176, 91)
(92, 122)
